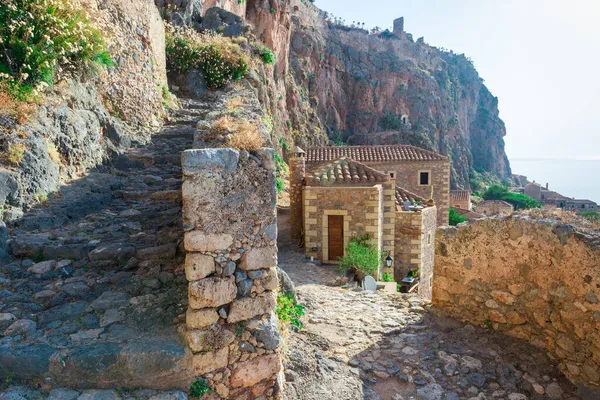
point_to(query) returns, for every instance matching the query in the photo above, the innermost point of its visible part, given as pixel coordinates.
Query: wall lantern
(389, 261)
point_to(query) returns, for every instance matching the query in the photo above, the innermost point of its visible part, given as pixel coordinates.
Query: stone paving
(359, 345)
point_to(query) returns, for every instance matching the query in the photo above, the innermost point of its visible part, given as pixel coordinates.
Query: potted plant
(360, 258)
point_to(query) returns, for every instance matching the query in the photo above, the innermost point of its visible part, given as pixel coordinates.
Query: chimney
(297, 172)
(546, 185)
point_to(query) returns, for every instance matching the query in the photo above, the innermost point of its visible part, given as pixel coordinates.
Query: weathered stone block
(503, 297)
(202, 340)
(196, 319)
(259, 258)
(251, 372)
(212, 292)
(200, 241)
(194, 161)
(198, 266)
(247, 308)
(210, 361)
(270, 281)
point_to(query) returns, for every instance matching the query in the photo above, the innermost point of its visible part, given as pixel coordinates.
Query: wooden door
(336, 237)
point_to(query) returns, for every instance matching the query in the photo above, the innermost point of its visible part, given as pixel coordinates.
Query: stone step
(141, 363)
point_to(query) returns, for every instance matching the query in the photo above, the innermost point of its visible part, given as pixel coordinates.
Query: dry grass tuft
(53, 152)
(222, 126)
(20, 111)
(245, 137)
(15, 153)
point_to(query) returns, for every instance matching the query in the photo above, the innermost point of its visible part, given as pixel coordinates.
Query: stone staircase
(97, 291)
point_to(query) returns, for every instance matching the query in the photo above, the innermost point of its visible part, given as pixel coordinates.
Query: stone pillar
(398, 26)
(297, 172)
(229, 215)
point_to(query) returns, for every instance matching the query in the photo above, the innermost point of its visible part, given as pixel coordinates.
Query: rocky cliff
(387, 88)
(364, 88)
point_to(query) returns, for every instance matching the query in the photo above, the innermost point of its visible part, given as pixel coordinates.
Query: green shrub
(199, 388)
(387, 277)
(361, 257)
(281, 169)
(219, 58)
(455, 218)
(518, 200)
(42, 41)
(265, 53)
(288, 311)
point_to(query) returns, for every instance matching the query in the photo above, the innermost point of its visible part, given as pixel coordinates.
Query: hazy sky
(541, 58)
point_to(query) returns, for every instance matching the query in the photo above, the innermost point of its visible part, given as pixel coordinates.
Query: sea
(571, 178)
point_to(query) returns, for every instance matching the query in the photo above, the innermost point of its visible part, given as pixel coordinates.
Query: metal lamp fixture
(389, 260)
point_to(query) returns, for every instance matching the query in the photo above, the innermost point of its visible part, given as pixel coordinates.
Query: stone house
(423, 172)
(460, 199)
(334, 201)
(551, 199)
(494, 207)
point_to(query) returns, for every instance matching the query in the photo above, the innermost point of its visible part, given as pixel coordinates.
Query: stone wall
(360, 206)
(415, 234)
(533, 279)
(297, 171)
(407, 177)
(428, 228)
(229, 216)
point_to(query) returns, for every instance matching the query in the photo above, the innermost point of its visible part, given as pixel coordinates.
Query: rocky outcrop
(536, 280)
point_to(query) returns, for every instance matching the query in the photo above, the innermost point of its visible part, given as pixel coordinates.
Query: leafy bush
(199, 388)
(387, 277)
(265, 53)
(455, 218)
(288, 311)
(42, 41)
(361, 257)
(219, 58)
(518, 200)
(495, 192)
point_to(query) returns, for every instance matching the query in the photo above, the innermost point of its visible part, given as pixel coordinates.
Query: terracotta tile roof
(459, 195)
(488, 203)
(402, 195)
(345, 171)
(386, 153)
(468, 213)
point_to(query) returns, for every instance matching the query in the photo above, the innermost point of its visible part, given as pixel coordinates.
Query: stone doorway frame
(325, 234)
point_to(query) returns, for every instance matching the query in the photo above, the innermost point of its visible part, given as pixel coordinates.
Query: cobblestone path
(361, 345)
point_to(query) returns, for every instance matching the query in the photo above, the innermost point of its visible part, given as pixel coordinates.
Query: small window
(392, 175)
(424, 178)
(428, 237)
